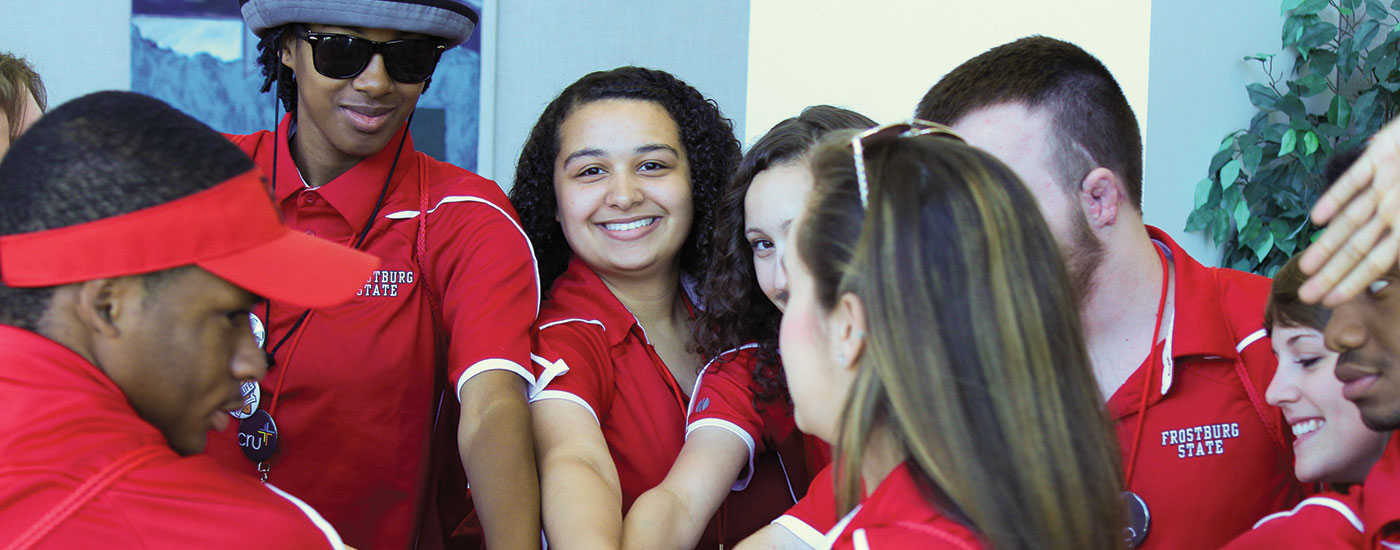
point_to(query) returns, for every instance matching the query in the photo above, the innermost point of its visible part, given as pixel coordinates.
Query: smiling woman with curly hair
(616, 186)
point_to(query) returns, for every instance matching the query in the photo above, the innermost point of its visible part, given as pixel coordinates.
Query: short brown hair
(1285, 309)
(16, 75)
(1090, 114)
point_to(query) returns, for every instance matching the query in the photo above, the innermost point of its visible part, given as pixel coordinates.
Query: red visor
(231, 230)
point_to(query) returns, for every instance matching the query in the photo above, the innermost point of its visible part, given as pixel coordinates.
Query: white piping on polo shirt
(1248, 340)
(410, 214)
(494, 363)
(746, 475)
(1326, 502)
(565, 396)
(331, 535)
(805, 533)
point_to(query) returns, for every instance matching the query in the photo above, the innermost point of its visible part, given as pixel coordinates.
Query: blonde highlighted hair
(974, 357)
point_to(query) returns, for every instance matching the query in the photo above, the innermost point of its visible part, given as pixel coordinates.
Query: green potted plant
(1342, 87)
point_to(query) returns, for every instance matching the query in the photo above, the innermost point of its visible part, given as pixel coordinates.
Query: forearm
(660, 519)
(582, 509)
(496, 443)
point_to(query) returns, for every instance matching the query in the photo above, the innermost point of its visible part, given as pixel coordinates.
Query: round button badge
(1139, 519)
(259, 331)
(257, 435)
(252, 394)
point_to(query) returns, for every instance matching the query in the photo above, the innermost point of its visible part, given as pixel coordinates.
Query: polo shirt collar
(1200, 327)
(1379, 505)
(34, 362)
(580, 289)
(354, 193)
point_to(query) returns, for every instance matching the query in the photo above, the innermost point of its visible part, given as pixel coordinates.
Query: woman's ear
(847, 324)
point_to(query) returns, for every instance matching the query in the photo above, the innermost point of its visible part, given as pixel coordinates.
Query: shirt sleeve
(1325, 521)
(723, 398)
(483, 264)
(815, 513)
(574, 364)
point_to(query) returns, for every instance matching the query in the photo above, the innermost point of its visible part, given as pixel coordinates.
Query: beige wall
(880, 56)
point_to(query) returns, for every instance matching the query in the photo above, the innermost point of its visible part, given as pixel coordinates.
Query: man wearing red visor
(134, 241)
(366, 394)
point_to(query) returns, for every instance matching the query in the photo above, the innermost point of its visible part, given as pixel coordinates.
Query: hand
(1362, 240)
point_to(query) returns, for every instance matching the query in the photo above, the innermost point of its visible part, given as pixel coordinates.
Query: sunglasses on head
(885, 134)
(409, 60)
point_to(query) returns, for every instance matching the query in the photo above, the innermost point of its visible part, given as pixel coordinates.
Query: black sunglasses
(341, 56)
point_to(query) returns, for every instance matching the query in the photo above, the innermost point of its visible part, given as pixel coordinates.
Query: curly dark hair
(709, 141)
(273, 71)
(736, 310)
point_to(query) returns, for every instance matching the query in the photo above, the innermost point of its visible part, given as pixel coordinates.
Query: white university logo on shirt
(1198, 441)
(386, 283)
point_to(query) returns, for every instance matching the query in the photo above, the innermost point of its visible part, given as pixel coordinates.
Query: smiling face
(1331, 444)
(344, 120)
(773, 200)
(622, 182)
(183, 349)
(1366, 331)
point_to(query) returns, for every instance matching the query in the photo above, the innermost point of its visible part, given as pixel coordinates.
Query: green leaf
(1241, 214)
(1322, 62)
(1289, 141)
(1198, 220)
(1263, 245)
(1364, 35)
(1262, 96)
(1292, 105)
(1375, 9)
(1290, 5)
(1339, 112)
(1309, 7)
(1226, 143)
(1312, 85)
(1203, 188)
(1220, 227)
(1252, 156)
(1310, 143)
(1365, 107)
(1320, 33)
(1228, 174)
(1292, 30)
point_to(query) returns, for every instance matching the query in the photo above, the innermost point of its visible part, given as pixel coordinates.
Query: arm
(498, 455)
(582, 496)
(772, 537)
(674, 514)
(1362, 240)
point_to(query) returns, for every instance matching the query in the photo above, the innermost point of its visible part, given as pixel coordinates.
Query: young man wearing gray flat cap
(355, 392)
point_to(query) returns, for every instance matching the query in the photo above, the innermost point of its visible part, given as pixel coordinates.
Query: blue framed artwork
(198, 56)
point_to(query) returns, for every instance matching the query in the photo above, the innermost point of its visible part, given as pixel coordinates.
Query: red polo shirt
(897, 516)
(782, 460)
(361, 389)
(592, 351)
(1328, 520)
(1214, 457)
(1380, 500)
(66, 423)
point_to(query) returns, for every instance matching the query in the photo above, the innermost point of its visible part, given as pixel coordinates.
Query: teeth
(630, 225)
(1308, 426)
